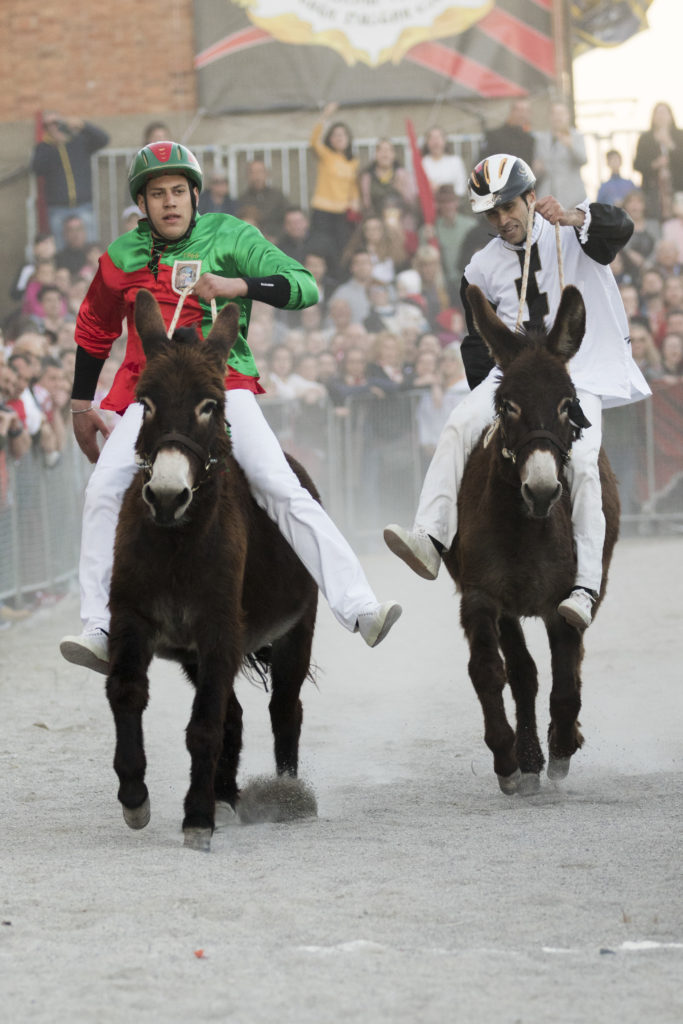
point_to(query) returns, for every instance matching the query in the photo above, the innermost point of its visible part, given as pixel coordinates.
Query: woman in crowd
(672, 358)
(384, 244)
(659, 158)
(645, 352)
(646, 232)
(385, 180)
(335, 204)
(441, 165)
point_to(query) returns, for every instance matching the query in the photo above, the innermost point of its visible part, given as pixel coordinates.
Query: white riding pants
(301, 520)
(437, 511)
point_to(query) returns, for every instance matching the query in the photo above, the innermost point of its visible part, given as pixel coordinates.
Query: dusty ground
(420, 894)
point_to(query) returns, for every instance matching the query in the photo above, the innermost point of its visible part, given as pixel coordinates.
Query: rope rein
(527, 261)
(176, 316)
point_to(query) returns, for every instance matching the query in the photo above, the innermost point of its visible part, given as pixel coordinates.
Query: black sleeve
(475, 354)
(274, 290)
(86, 374)
(609, 231)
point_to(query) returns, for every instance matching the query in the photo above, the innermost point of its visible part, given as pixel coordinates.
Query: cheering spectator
(336, 199)
(62, 160)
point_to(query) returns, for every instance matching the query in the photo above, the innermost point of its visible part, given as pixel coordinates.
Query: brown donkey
(513, 555)
(202, 576)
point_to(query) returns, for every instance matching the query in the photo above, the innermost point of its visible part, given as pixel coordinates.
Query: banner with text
(252, 56)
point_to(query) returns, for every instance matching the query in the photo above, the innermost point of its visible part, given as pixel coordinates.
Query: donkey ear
(149, 322)
(566, 335)
(503, 344)
(223, 334)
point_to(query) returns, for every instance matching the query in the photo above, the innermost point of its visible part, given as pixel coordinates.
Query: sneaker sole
(79, 655)
(399, 548)
(392, 615)
(573, 618)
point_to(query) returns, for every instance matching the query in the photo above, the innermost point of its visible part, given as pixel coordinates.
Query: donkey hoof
(137, 817)
(529, 784)
(558, 767)
(225, 814)
(509, 784)
(198, 839)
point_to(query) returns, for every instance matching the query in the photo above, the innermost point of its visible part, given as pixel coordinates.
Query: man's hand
(213, 286)
(87, 425)
(554, 212)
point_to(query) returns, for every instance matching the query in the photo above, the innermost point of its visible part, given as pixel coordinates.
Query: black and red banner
(252, 56)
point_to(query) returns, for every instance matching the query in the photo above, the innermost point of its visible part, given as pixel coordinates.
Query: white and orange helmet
(498, 179)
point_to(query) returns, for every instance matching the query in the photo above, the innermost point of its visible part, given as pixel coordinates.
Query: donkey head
(537, 413)
(183, 434)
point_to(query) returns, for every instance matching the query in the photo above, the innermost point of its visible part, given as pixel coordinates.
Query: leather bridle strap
(533, 435)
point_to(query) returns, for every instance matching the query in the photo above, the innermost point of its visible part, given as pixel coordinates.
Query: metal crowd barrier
(40, 516)
(366, 461)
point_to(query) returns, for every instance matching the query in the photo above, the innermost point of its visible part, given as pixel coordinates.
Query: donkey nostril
(148, 496)
(183, 499)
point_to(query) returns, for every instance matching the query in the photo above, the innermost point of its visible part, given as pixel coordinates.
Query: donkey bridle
(173, 437)
(513, 453)
(547, 435)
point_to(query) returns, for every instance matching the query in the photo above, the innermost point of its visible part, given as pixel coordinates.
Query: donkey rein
(527, 261)
(176, 316)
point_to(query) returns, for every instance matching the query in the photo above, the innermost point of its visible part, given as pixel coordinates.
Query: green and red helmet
(162, 158)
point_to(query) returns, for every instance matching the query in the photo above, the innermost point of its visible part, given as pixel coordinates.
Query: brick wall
(96, 58)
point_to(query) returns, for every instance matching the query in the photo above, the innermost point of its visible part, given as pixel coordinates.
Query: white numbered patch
(185, 274)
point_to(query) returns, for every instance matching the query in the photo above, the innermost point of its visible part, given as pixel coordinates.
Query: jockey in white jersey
(603, 371)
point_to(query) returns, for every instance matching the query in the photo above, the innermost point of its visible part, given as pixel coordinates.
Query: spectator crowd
(389, 318)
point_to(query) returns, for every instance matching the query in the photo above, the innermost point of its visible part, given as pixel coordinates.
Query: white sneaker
(416, 548)
(577, 609)
(375, 622)
(90, 649)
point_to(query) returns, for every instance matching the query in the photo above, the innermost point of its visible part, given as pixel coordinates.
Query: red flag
(424, 189)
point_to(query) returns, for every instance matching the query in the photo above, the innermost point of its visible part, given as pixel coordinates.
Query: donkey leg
(128, 693)
(225, 784)
(204, 739)
(479, 621)
(523, 679)
(290, 663)
(564, 736)
(228, 762)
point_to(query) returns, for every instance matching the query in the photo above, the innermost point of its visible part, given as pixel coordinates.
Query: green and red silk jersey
(218, 244)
